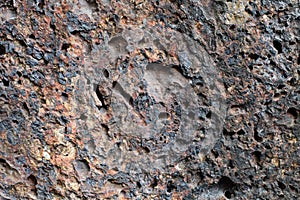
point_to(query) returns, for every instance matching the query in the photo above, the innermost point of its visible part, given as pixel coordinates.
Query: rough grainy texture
(178, 99)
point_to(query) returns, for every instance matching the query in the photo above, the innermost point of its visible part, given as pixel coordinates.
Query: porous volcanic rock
(134, 99)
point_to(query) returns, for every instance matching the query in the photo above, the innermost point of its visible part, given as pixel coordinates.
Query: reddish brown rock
(149, 99)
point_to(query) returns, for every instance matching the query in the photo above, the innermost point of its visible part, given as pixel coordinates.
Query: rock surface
(176, 99)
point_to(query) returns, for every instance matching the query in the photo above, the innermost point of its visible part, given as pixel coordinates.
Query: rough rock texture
(178, 99)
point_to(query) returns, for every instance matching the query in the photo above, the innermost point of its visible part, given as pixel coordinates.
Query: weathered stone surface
(149, 99)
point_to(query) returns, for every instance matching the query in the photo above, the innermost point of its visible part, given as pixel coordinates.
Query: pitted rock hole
(168, 96)
(118, 44)
(82, 168)
(166, 101)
